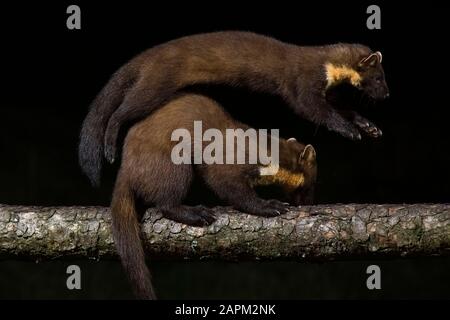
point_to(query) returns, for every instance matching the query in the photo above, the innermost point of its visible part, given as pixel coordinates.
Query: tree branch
(324, 232)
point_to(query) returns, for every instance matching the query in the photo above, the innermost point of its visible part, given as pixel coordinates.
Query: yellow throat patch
(283, 177)
(336, 74)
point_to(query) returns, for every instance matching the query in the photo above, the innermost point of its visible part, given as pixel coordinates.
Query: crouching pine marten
(148, 173)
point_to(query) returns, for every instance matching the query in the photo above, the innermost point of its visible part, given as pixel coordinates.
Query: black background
(51, 74)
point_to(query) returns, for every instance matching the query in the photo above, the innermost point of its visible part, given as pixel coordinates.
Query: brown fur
(296, 73)
(148, 173)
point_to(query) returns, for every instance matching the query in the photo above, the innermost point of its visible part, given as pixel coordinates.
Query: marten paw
(369, 128)
(271, 208)
(198, 216)
(201, 216)
(346, 129)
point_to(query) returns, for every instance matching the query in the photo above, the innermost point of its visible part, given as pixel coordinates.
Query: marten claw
(373, 131)
(273, 208)
(266, 208)
(203, 216)
(369, 128)
(354, 136)
(364, 124)
(350, 132)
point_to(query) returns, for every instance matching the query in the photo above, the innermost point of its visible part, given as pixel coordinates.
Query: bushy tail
(126, 233)
(90, 151)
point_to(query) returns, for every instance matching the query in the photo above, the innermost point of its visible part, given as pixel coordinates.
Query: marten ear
(308, 154)
(371, 60)
(292, 140)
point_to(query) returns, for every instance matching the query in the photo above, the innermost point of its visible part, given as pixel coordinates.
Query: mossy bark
(324, 232)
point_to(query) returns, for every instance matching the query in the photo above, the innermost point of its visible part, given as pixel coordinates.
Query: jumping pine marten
(148, 174)
(300, 75)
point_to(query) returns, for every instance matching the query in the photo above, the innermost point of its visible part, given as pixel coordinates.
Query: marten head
(303, 194)
(295, 179)
(365, 73)
(372, 82)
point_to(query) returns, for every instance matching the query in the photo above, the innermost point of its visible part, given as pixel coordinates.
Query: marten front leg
(319, 111)
(243, 198)
(335, 122)
(363, 124)
(232, 185)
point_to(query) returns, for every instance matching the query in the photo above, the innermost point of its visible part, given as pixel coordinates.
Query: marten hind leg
(233, 186)
(198, 216)
(166, 185)
(137, 104)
